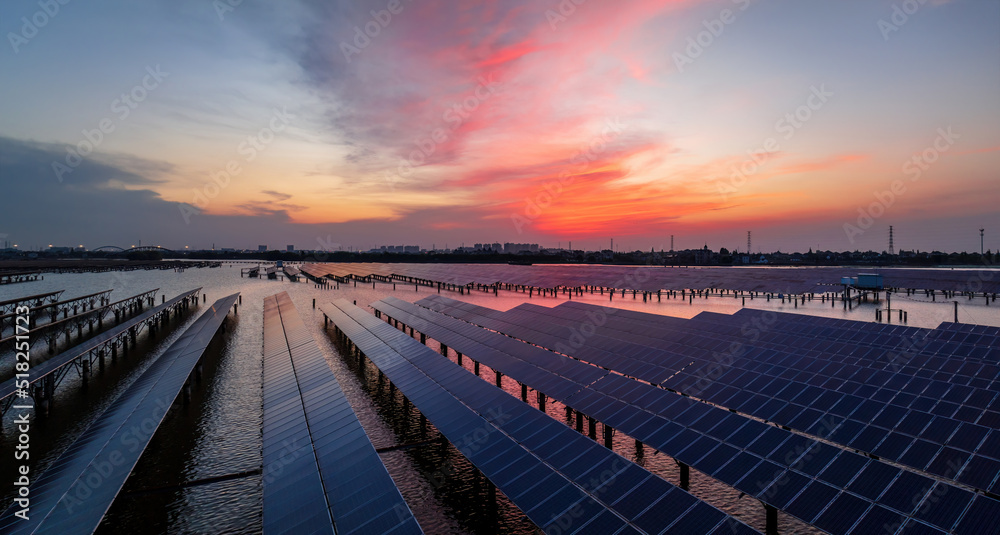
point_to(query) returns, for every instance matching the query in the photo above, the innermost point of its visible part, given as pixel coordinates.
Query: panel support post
(771, 513)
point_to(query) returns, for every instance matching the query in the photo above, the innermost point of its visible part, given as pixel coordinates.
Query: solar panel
(539, 482)
(752, 463)
(338, 481)
(855, 432)
(64, 498)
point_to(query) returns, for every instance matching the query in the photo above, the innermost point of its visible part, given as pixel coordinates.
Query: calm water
(219, 432)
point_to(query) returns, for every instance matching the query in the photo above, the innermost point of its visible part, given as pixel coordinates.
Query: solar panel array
(750, 380)
(75, 492)
(321, 472)
(652, 278)
(811, 391)
(922, 416)
(545, 468)
(39, 371)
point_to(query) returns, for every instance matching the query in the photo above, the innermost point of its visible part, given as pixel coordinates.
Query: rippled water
(218, 433)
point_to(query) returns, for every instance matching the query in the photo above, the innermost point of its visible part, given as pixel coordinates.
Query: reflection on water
(218, 433)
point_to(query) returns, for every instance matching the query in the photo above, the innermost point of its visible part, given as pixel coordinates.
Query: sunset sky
(321, 124)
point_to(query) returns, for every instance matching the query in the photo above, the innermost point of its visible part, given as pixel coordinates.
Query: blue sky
(257, 127)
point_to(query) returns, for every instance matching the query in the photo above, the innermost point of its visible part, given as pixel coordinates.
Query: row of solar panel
(644, 412)
(933, 342)
(979, 471)
(955, 397)
(940, 377)
(65, 498)
(38, 371)
(973, 470)
(656, 278)
(919, 439)
(796, 327)
(322, 474)
(540, 464)
(964, 402)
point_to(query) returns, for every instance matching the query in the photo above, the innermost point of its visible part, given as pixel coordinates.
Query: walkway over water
(46, 376)
(562, 481)
(75, 492)
(321, 472)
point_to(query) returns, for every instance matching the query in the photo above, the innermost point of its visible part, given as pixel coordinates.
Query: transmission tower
(748, 242)
(982, 231)
(671, 243)
(892, 249)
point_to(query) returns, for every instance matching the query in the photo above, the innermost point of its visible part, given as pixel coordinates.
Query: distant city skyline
(344, 124)
(619, 246)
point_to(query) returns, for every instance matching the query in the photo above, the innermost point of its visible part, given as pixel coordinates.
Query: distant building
(515, 248)
(399, 249)
(290, 248)
(261, 248)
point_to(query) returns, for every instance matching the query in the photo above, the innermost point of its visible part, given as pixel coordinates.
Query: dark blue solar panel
(813, 499)
(842, 514)
(873, 480)
(759, 373)
(944, 505)
(360, 495)
(53, 506)
(906, 492)
(844, 468)
(983, 516)
(879, 519)
(527, 430)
